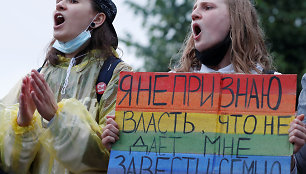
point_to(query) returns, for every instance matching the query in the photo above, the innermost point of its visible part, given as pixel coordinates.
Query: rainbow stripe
(203, 123)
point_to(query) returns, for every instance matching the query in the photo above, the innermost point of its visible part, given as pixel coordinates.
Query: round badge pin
(100, 88)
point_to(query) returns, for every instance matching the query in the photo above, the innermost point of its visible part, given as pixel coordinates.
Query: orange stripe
(287, 104)
(180, 82)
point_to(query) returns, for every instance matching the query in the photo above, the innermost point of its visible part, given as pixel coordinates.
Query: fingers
(107, 142)
(24, 95)
(35, 99)
(110, 116)
(41, 86)
(41, 79)
(25, 87)
(297, 132)
(42, 96)
(110, 119)
(297, 123)
(297, 141)
(41, 89)
(110, 132)
(297, 135)
(26, 110)
(38, 85)
(22, 104)
(109, 138)
(111, 129)
(300, 117)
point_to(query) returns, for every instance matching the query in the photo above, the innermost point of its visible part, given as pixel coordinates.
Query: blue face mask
(74, 44)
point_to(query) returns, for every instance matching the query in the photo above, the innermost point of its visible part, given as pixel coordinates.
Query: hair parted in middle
(248, 49)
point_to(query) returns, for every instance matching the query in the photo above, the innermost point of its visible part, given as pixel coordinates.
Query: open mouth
(58, 19)
(196, 30)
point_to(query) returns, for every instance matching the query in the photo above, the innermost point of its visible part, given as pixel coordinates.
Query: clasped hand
(35, 94)
(297, 133)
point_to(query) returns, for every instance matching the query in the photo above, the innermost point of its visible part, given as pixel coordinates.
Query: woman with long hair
(226, 37)
(238, 44)
(53, 121)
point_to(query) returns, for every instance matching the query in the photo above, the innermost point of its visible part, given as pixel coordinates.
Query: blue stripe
(140, 162)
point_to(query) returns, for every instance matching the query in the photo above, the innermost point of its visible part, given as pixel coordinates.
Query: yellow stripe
(170, 122)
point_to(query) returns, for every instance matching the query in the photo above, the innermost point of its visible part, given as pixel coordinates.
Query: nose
(195, 15)
(61, 5)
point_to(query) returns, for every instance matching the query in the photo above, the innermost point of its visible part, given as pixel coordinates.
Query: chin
(60, 36)
(202, 47)
(56, 36)
(61, 39)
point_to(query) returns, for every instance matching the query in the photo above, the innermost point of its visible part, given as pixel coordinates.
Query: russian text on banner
(203, 123)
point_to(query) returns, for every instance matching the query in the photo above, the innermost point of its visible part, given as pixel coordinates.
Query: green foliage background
(167, 22)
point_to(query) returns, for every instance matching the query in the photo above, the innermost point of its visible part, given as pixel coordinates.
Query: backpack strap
(39, 69)
(105, 75)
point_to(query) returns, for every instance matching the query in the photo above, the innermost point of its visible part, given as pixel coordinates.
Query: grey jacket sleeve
(301, 154)
(300, 157)
(302, 99)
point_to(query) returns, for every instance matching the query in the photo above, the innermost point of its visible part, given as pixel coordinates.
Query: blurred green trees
(167, 22)
(285, 26)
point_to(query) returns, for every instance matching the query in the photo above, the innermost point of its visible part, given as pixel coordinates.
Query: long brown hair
(102, 39)
(248, 47)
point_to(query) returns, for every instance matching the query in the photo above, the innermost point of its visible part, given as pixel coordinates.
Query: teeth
(59, 19)
(59, 16)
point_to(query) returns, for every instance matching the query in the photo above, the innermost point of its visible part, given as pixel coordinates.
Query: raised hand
(43, 96)
(26, 104)
(297, 133)
(110, 132)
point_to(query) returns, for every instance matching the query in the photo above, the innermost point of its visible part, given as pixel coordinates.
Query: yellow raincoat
(70, 142)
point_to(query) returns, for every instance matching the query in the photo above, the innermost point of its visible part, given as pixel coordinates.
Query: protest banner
(203, 123)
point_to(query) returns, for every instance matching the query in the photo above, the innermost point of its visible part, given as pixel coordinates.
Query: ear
(99, 20)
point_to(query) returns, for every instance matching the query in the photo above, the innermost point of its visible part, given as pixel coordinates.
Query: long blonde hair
(248, 49)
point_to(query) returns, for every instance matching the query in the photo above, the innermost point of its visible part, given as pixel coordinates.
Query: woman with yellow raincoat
(52, 121)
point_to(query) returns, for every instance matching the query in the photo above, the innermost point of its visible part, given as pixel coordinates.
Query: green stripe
(260, 145)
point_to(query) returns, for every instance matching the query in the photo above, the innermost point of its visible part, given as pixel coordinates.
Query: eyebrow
(203, 3)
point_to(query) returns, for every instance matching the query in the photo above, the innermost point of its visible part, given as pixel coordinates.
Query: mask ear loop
(92, 24)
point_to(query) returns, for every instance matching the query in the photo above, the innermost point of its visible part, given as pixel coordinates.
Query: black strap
(106, 72)
(39, 69)
(269, 71)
